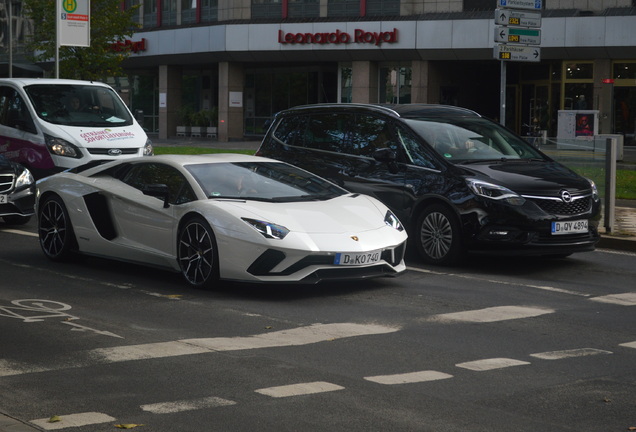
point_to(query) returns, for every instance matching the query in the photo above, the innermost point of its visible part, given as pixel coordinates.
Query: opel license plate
(357, 259)
(570, 227)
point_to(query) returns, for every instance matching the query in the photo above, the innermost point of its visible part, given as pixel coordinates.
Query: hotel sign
(339, 37)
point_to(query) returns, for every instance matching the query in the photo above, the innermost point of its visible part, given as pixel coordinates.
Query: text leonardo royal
(339, 37)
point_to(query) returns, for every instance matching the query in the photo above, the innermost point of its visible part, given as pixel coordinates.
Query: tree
(109, 24)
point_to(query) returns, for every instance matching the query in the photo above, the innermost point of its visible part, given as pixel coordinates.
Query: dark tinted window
(370, 133)
(291, 130)
(142, 175)
(328, 132)
(14, 112)
(416, 152)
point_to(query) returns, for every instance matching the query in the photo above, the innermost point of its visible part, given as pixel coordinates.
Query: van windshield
(78, 105)
(472, 139)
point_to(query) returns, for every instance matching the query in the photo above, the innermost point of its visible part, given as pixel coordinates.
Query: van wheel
(438, 236)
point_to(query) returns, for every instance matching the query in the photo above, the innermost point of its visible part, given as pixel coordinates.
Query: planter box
(183, 131)
(210, 132)
(197, 131)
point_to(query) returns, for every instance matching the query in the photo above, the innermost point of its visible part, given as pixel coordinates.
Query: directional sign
(517, 18)
(518, 35)
(521, 4)
(522, 53)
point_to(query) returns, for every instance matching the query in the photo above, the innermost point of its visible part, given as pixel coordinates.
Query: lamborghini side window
(143, 175)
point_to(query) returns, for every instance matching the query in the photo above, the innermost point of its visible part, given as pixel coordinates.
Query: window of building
(383, 8)
(168, 12)
(150, 13)
(341, 8)
(209, 10)
(267, 9)
(345, 84)
(395, 85)
(188, 11)
(624, 70)
(578, 85)
(303, 8)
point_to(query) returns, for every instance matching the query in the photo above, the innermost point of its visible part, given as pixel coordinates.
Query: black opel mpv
(458, 181)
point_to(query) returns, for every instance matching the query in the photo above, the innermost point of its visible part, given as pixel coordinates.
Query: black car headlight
(24, 180)
(495, 192)
(267, 229)
(594, 190)
(391, 220)
(60, 147)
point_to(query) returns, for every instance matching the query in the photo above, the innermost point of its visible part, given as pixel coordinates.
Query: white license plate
(571, 227)
(357, 259)
(3, 199)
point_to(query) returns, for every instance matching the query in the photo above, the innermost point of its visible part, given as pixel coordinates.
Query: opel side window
(328, 132)
(370, 133)
(291, 131)
(415, 150)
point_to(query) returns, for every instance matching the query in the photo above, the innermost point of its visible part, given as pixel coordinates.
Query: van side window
(328, 132)
(14, 112)
(370, 133)
(416, 151)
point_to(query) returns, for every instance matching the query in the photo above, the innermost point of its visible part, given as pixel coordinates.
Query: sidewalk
(623, 236)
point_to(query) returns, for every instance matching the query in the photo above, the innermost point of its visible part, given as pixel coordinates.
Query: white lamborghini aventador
(226, 216)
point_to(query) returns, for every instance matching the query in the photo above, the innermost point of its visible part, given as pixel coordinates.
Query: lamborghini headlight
(495, 192)
(267, 229)
(391, 220)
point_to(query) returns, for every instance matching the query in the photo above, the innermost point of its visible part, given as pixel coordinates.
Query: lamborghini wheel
(54, 229)
(197, 253)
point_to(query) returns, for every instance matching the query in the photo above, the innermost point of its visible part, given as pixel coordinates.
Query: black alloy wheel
(197, 253)
(54, 229)
(438, 236)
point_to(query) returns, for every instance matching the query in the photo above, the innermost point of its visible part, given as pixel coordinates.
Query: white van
(49, 125)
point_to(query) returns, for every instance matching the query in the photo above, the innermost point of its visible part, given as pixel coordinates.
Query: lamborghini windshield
(262, 181)
(78, 105)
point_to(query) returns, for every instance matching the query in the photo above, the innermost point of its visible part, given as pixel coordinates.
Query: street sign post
(517, 53)
(521, 4)
(518, 35)
(517, 18)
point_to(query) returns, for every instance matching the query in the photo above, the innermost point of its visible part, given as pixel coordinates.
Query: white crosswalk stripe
(299, 389)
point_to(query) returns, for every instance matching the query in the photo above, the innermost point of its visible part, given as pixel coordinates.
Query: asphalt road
(494, 345)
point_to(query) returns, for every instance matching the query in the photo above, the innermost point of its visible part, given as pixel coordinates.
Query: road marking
(299, 389)
(629, 345)
(74, 420)
(500, 282)
(491, 364)
(186, 405)
(493, 314)
(8, 368)
(409, 378)
(15, 231)
(626, 299)
(580, 352)
(292, 337)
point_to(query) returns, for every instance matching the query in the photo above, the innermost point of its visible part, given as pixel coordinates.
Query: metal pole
(58, 11)
(610, 184)
(502, 93)
(10, 38)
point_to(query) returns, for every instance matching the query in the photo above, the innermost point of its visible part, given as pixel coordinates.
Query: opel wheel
(438, 235)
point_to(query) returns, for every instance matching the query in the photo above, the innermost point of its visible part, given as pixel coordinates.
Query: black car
(458, 181)
(17, 192)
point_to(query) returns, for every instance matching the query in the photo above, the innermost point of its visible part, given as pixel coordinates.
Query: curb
(9, 424)
(625, 244)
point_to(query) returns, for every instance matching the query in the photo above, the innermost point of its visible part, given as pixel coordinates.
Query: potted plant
(212, 117)
(185, 121)
(199, 124)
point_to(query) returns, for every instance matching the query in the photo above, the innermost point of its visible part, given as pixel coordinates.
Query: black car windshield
(472, 139)
(263, 181)
(78, 105)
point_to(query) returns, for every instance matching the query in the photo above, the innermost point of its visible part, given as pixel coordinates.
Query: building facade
(244, 60)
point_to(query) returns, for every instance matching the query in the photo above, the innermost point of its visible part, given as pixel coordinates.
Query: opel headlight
(594, 189)
(267, 229)
(60, 147)
(495, 192)
(391, 220)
